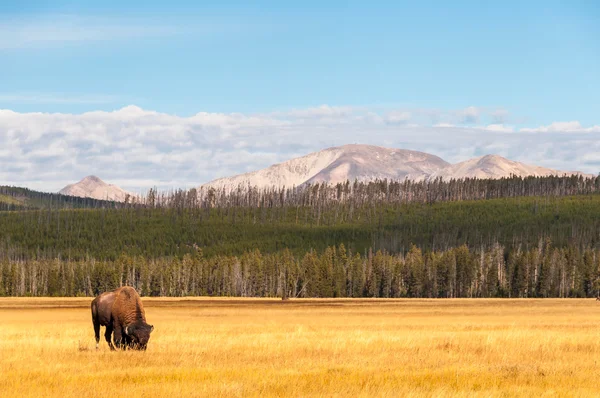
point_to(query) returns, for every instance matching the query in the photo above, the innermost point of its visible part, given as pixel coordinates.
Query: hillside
(394, 227)
(494, 166)
(93, 187)
(338, 164)
(368, 163)
(17, 198)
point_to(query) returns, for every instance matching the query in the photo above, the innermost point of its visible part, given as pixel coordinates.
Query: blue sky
(538, 59)
(471, 64)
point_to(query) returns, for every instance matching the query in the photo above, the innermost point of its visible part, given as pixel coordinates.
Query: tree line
(541, 271)
(105, 234)
(18, 199)
(359, 193)
(319, 195)
(514, 237)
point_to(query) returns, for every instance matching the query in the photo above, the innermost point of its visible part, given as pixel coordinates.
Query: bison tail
(94, 310)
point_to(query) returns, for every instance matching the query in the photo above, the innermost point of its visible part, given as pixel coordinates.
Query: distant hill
(338, 164)
(17, 198)
(93, 187)
(367, 163)
(494, 166)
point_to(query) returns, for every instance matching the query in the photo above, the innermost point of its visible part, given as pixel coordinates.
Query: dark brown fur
(122, 312)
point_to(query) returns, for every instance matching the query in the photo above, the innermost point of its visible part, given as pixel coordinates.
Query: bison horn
(126, 330)
(151, 327)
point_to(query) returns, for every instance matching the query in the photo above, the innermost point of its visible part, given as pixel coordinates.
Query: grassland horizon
(307, 347)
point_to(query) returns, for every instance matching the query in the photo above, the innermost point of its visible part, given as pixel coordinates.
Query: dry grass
(231, 347)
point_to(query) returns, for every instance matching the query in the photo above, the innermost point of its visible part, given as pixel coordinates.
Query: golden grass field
(267, 347)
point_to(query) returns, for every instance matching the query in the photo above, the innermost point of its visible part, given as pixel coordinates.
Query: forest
(514, 237)
(318, 196)
(17, 198)
(541, 271)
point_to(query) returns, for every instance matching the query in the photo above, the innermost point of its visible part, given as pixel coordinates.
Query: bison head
(139, 333)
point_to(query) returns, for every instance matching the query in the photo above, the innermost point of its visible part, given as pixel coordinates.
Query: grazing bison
(121, 311)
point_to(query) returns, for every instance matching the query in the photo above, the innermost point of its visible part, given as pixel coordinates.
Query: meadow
(307, 347)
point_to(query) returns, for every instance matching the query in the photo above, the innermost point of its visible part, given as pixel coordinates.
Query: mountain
(19, 198)
(94, 187)
(338, 164)
(494, 166)
(367, 162)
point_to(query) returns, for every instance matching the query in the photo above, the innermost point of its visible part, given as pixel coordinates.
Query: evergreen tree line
(17, 198)
(541, 271)
(319, 195)
(104, 234)
(359, 193)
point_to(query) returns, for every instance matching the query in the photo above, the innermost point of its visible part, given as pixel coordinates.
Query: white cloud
(322, 111)
(32, 32)
(60, 29)
(499, 116)
(398, 117)
(139, 149)
(592, 157)
(499, 128)
(469, 115)
(572, 126)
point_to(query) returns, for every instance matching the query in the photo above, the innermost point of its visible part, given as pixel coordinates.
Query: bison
(121, 311)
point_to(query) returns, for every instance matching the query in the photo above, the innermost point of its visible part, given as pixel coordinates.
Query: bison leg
(96, 321)
(119, 340)
(108, 336)
(97, 332)
(127, 341)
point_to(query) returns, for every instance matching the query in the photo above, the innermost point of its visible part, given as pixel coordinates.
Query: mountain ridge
(496, 166)
(369, 162)
(93, 187)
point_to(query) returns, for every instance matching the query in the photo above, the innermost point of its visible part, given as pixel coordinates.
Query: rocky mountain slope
(94, 187)
(337, 164)
(494, 166)
(367, 162)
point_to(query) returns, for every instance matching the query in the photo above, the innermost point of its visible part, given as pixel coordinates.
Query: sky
(175, 94)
